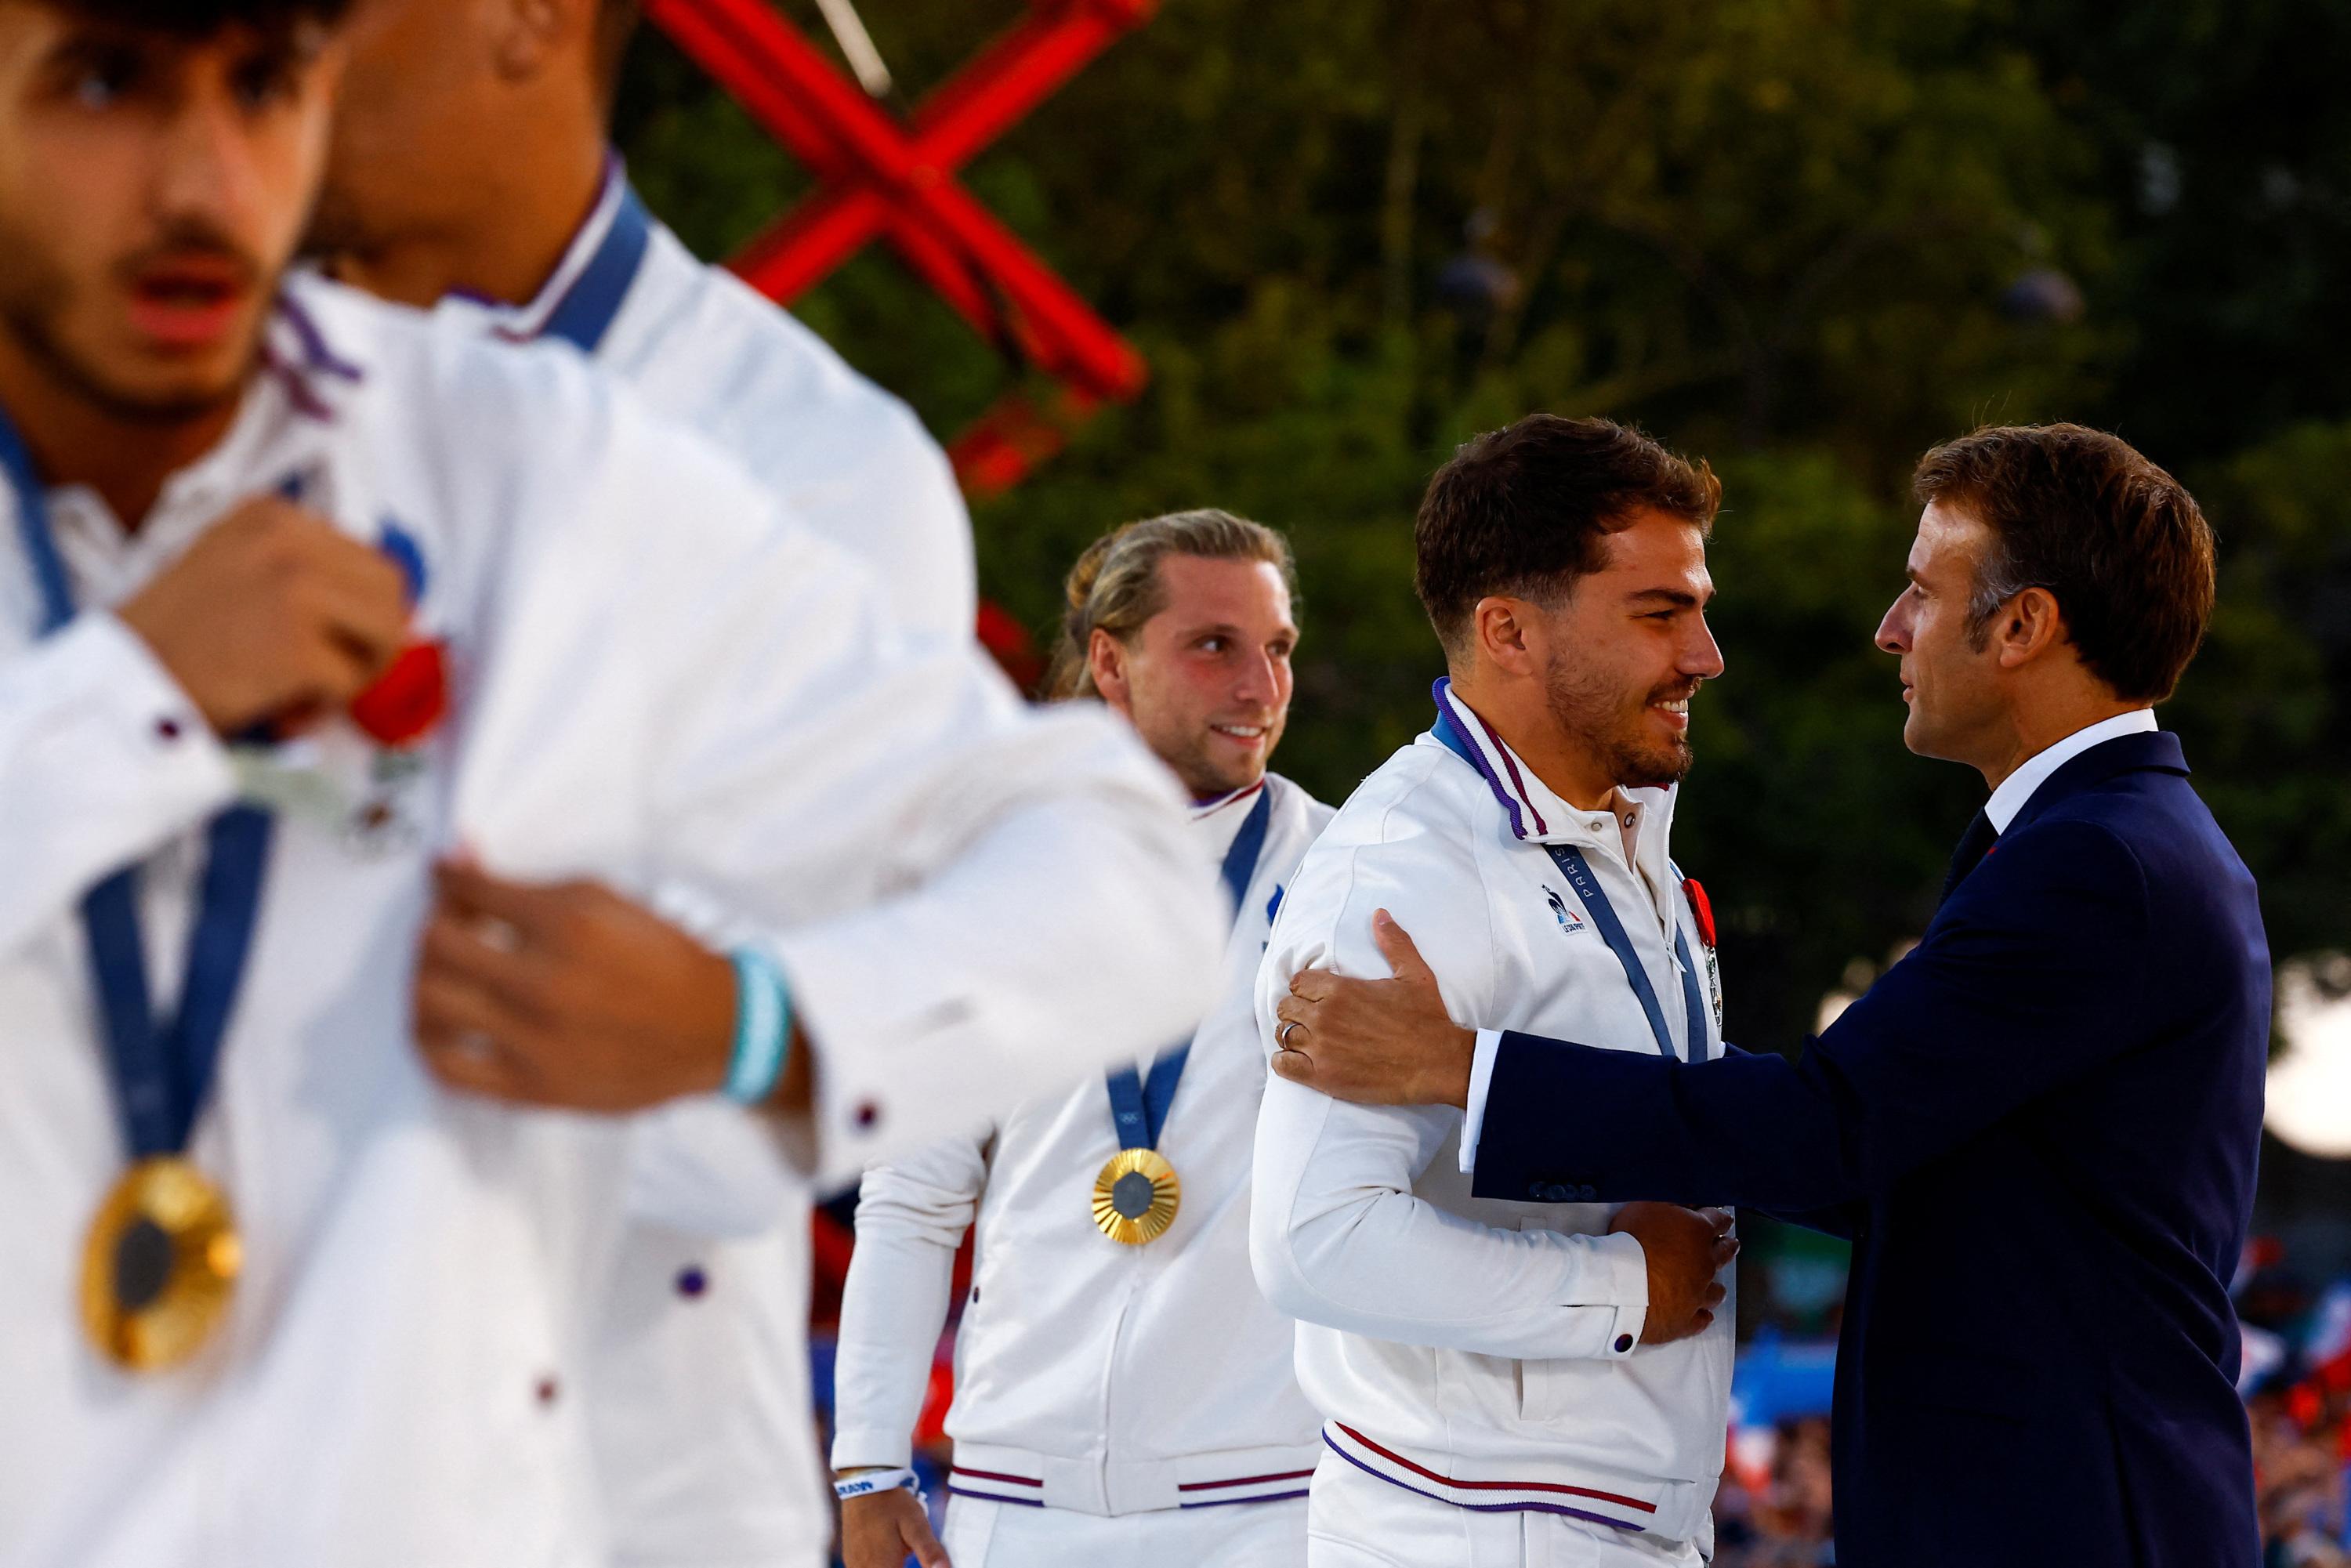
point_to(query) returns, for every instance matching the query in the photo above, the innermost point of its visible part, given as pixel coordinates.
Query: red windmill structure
(881, 176)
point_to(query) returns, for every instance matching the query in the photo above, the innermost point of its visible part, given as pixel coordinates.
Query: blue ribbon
(587, 308)
(1578, 872)
(1594, 898)
(161, 1069)
(1139, 1109)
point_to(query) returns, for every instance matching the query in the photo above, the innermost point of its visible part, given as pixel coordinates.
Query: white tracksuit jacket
(659, 681)
(703, 1423)
(1091, 1375)
(1484, 1353)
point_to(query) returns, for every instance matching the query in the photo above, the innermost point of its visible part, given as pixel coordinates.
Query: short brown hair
(1522, 511)
(2117, 543)
(1116, 587)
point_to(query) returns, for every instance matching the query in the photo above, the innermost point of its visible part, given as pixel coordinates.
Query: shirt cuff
(872, 1448)
(1625, 1268)
(1481, 1079)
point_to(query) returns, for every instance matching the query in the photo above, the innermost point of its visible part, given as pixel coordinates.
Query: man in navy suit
(2039, 1128)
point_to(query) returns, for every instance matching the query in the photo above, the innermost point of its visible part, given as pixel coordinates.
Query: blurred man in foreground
(1525, 1375)
(1122, 1393)
(300, 592)
(2039, 1128)
(469, 171)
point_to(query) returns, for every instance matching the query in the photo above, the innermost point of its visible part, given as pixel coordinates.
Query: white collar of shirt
(286, 415)
(524, 323)
(1218, 818)
(2019, 787)
(1537, 813)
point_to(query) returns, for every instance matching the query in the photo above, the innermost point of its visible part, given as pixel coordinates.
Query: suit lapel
(1970, 853)
(2158, 751)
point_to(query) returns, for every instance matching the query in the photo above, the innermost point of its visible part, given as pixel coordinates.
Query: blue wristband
(763, 1027)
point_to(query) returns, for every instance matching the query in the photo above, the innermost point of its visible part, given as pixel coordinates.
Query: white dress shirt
(702, 1411)
(1093, 1376)
(1479, 1351)
(2019, 787)
(717, 705)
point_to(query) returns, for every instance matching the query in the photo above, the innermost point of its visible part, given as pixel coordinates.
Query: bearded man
(1532, 1376)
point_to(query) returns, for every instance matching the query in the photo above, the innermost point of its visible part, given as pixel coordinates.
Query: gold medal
(162, 1259)
(1136, 1196)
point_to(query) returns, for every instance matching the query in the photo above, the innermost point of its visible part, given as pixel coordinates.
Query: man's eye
(1212, 644)
(104, 82)
(263, 84)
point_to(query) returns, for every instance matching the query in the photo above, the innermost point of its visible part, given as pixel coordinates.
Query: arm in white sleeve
(908, 1046)
(1337, 1236)
(911, 1219)
(103, 759)
(974, 903)
(1025, 965)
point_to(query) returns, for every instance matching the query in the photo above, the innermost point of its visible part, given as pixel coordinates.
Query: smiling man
(2039, 1129)
(1123, 1393)
(1532, 1375)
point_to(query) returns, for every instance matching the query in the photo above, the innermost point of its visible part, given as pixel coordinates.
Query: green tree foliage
(1782, 233)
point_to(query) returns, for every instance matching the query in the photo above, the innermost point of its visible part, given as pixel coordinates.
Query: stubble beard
(1187, 755)
(1595, 712)
(1205, 778)
(35, 294)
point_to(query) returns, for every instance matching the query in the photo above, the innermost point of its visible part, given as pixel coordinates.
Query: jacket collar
(1534, 811)
(2158, 752)
(581, 299)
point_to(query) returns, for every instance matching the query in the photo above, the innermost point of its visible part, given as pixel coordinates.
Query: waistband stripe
(1528, 1507)
(996, 1497)
(1245, 1501)
(995, 1476)
(1424, 1471)
(1245, 1481)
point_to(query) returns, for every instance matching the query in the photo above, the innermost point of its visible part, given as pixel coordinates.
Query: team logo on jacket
(1569, 920)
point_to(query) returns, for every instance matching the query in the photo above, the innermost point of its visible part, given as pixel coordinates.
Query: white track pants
(1358, 1520)
(983, 1534)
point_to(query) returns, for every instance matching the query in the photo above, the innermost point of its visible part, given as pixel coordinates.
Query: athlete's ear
(1106, 662)
(1498, 630)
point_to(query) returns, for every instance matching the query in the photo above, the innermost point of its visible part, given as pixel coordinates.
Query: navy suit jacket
(2039, 1129)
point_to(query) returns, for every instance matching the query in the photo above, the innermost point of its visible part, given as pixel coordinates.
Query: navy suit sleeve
(2036, 971)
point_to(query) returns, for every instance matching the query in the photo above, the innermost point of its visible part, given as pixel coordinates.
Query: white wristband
(873, 1481)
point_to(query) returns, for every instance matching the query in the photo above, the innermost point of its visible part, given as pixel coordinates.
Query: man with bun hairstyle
(1123, 1393)
(314, 611)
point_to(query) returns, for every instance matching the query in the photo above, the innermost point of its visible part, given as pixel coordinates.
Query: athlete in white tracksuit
(478, 182)
(1479, 1362)
(702, 1403)
(718, 705)
(1114, 1403)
